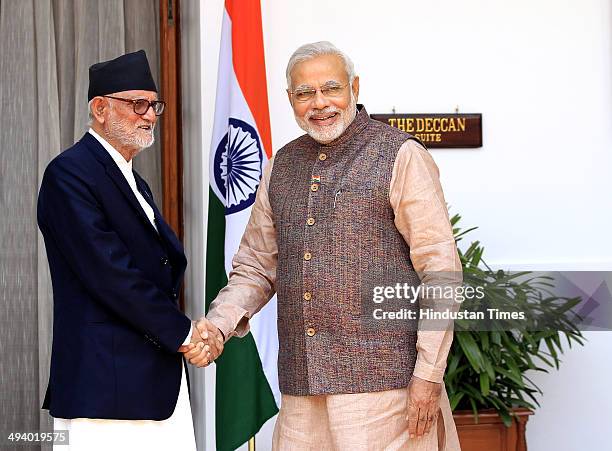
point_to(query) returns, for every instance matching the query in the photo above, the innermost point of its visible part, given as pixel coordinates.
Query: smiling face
(323, 117)
(125, 130)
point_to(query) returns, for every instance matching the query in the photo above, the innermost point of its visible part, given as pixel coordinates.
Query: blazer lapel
(165, 231)
(163, 228)
(117, 177)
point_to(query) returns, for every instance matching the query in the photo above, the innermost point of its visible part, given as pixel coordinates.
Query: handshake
(206, 343)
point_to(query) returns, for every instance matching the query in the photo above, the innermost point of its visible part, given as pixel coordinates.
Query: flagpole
(252, 444)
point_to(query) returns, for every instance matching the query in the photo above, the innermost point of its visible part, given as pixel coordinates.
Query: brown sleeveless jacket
(335, 232)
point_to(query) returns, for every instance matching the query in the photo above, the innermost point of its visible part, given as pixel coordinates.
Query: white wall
(540, 72)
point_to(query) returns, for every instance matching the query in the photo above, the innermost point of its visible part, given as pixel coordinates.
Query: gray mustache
(326, 110)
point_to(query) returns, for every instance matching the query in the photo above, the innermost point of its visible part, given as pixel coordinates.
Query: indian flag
(247, 393)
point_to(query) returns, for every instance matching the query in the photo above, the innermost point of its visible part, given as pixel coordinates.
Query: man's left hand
(423, 405)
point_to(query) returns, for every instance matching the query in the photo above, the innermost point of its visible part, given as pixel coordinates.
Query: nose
(319, 101)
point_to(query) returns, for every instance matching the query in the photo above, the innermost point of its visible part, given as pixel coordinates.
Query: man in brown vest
(348, 201)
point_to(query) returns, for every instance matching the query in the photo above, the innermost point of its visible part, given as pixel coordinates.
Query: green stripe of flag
(244, 400)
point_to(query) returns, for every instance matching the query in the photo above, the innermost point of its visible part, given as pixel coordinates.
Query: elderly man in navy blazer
(116, 266)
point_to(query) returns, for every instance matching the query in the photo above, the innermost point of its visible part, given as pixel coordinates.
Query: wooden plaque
(439, 130)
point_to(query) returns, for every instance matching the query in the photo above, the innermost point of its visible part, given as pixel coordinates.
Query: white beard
(126, 136)
(326, 134)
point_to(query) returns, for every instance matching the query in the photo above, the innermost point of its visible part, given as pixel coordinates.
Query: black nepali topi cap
(125, 73)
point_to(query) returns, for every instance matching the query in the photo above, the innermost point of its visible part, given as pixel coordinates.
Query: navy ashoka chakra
(237, 166)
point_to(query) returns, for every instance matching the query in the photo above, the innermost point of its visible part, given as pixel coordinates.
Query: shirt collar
(117, 157)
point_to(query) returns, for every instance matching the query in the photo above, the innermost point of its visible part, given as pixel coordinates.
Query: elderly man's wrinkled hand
(197, 350)
(208, 346)
(423, 406)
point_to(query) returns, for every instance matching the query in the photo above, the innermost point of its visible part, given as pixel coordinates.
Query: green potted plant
(486, 377)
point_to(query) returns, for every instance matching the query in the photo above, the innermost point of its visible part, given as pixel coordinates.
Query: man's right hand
(196, 346)
(206, 343)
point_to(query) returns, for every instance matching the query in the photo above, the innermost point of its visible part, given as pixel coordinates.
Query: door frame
(171, 136)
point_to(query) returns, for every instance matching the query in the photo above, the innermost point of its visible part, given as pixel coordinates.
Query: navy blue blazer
(117, 326)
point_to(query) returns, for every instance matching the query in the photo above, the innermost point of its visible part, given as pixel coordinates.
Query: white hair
(314, 49)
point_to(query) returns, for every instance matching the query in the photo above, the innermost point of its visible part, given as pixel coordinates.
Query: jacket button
(307, 296)
(314, 187)
(322, 157)
(310, 221)
(307, 256)
(164, 261)
(310, 331)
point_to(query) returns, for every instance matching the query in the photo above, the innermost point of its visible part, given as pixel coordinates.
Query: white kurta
(91, 434)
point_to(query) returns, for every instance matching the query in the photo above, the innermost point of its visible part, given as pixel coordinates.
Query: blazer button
(310, 221)
(310, 331)
(314, 187)
(307, 296)
(307, 256)
(164, 261)
(322, 157)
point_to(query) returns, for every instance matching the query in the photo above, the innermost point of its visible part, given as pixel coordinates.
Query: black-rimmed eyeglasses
(141, 106)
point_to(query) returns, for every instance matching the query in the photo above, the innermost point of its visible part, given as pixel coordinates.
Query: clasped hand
(206, 344)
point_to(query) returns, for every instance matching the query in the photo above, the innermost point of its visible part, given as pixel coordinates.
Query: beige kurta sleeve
(421, 216)
(252, 280)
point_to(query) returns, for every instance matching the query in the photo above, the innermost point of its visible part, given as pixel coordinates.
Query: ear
(356, 88)
(99, 108)
(289, 97)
